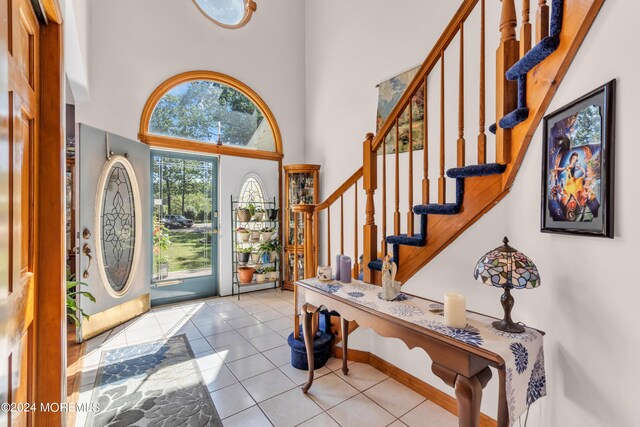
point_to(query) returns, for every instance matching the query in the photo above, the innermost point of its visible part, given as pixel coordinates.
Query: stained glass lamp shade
(507, 268)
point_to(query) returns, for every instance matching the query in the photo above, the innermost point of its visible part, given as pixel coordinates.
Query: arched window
(227, 13)
(212, 113)
(252, 192)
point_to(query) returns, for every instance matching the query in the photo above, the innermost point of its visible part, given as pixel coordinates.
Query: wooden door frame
(50, 270)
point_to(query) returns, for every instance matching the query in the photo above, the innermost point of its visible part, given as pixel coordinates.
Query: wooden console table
(461, 365)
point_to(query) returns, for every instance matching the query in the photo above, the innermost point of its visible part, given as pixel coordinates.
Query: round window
(227, 13)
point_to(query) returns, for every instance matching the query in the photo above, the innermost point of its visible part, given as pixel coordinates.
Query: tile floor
(242, 352)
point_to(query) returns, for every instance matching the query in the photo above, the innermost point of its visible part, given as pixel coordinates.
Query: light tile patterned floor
(242, 352)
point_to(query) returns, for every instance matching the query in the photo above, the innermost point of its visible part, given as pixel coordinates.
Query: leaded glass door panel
(113, 228)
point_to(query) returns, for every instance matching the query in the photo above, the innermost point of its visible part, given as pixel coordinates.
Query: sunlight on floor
(241, 350)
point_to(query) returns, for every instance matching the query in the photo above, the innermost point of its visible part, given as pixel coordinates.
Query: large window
(252, 192)
(227, 13)
(212, 113)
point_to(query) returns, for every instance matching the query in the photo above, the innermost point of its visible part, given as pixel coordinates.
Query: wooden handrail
(340, 191)
(429, 63)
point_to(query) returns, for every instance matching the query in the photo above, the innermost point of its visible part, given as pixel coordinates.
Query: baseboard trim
(422, 388)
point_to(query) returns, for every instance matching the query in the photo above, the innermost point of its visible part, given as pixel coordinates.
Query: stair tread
(376, 264)
(403, 239)
(476, 170)
(437, 209)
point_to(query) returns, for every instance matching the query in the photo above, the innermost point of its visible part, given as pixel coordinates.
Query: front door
(19, 122)
(114, 228)
(185, 232)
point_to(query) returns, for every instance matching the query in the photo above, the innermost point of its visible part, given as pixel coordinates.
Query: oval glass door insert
(118, 224)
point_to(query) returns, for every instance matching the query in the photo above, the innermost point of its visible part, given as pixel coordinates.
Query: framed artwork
(389, 93)
(578, 167)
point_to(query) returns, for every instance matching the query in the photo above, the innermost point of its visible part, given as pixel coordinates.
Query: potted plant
(274, 249)
(162, 266)
(245, 275)
(261, 275)
(272, 214)
(161, 243)
(272, 274)
(252, 209)
(258, 215)
(255, 257)
(243, 255)
(255, 235)
(242, 234)
(74, 313)
(243, 214)
(267, 233)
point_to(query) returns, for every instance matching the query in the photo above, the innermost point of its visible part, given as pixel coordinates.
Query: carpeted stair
(420, 239)
(535, 56)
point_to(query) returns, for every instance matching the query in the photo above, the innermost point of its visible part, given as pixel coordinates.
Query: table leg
(469, 396)
(503, 410)
(344, 330)
(308, 343)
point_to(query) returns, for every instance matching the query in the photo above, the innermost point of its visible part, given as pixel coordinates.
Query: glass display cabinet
(301, 187)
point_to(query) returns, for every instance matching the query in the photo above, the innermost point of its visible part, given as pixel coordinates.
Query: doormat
(152, 384)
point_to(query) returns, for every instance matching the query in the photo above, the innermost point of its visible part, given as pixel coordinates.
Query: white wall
(233, 171)
(588, 287)
(137, 45)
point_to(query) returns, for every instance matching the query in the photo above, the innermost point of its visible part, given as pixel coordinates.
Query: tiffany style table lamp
(507, 268)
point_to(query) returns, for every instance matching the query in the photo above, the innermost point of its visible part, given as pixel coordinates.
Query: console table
(460, 357)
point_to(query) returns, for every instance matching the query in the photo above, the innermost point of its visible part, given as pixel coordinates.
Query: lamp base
(508, 326)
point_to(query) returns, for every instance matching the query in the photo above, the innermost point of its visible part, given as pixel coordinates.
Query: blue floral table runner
(522, 353)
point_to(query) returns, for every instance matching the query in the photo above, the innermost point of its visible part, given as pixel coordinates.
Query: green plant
(161, 240)
(161, 259)
(242, 250)
(267, 230)
(73, 311)
(261, 270)
(271, 246)
(252, 209)
(270, 269)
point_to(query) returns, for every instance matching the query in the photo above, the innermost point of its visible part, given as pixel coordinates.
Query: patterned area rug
(152, 384)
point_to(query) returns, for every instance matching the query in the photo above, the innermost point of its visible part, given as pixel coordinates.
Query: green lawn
(188, 250)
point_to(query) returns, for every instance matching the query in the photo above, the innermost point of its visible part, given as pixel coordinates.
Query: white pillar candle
(455, 311)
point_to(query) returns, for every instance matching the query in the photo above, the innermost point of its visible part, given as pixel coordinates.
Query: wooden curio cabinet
(301, 187)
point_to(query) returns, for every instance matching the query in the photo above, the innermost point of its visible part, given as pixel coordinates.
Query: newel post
(506, 91)
(370, 181)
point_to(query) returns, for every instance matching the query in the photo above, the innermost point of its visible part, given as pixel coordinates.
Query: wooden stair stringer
(544, 79)
(480, 195)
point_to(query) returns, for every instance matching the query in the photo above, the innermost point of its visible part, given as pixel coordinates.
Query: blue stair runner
(535, 56)
(420, 239)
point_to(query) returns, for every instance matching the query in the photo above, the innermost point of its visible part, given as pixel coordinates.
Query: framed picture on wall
(578, 166)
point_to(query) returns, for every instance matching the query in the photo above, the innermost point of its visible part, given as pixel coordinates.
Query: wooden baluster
(316, 242)
(356, 263)
(309, 252)
(482, 137)
(425, 148)
(341, 225)
(542, 20)
(461, 142)
(410, 198)
(383, 243)
(296, 316)
(506, 91)
(441, 180)
(329, 235)
(525, 29)
(369, 182)
(396, 214)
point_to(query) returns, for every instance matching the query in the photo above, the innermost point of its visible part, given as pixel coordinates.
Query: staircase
(527, 78)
